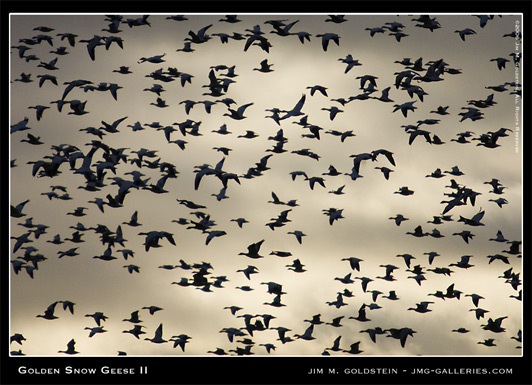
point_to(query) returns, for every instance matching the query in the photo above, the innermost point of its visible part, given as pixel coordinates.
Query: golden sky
(364, 232)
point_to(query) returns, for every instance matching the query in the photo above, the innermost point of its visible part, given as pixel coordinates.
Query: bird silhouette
(307, 335)
(276, 302)
(354, 262)
(327, 37)
(92, 43)
(488, 342)
(253, 250)
(466, 235)
(418, 232)
(401, 334)
(345, 280)
(248, 271)
(354, 348)
(49, 312)
(392, 296)
(180, 340)
(501, 62)
(298, 234)
(373, 332)
(333, 214)
(421, 307)
(296, 266)
(68, 305)
(265, 67)
(158, 337)
(95, 330)
(361, 317)
(465, 32)
(153, 237)
(405, 107)
(16, 211)
(17, 337)
(399, 218)
(70, 348)
(238, 114)
(404, 191)
(134, 317)
(98, 317)
(296, 111)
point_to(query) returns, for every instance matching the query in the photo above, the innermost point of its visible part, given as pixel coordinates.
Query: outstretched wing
(478, 216)
(242, 108)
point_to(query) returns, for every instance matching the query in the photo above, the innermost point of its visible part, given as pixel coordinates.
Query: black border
(273, 370)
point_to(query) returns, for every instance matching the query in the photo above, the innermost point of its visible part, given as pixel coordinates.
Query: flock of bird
(115, 176)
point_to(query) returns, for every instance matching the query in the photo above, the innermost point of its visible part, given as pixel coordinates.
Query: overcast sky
(364, 232)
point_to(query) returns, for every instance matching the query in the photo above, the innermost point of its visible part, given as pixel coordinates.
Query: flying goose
(134, 317)
(264, 67)
(405, 107)
(253, 250)
(98, 317)
(463, 263)
(17, 337)
(327, 37)
(49, 312)
(158, 337)
(95, 330)
(354, 348)
(421, 307)
(248, 271)
(401, 334)
(298, 234)
(70, 348)
(361, 317)
(296, 266)
(307, 335)
(501, 62)
(238, 114)
(487, 342)
(296, 111)
(465, 32)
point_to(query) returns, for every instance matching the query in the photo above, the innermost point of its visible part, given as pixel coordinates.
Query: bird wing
(498, 321)
(308, 332)
(402, 337)
(255, 247)
(219, 165)
(90, 48)
(50, 309)
(198, 177)
(413, 134)
(159, 331)
(211, 235)
(71, 344)
(169, 237)
(202, 31)
(68, 305)
(478, 216)
(389, 156)
(242, 108)
(67, 90)
(299, 104)
(325, 42)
